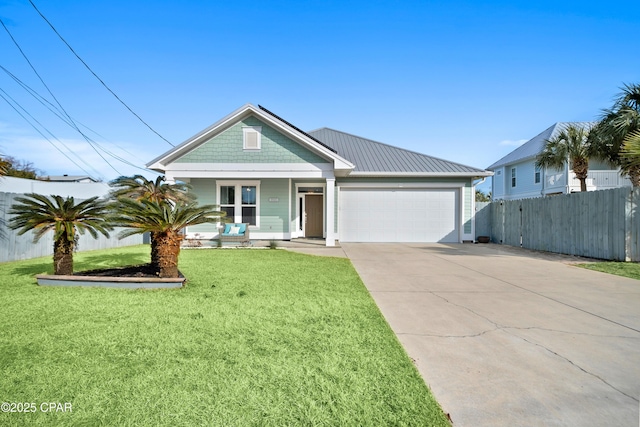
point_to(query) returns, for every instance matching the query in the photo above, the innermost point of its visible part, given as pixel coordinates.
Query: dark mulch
(144, 270)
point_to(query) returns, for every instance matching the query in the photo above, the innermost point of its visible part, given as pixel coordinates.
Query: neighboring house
(79, 190)
(517, 177)
(287, 183)
(69, 178)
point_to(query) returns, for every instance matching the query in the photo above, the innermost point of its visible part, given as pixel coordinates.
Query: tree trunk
(634, 175)
(581, 169)
(63, 257)
(154, 250)
(168, 249)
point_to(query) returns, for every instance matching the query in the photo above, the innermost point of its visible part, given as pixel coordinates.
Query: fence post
(631, 228)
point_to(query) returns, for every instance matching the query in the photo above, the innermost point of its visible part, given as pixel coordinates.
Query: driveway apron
(504, 338)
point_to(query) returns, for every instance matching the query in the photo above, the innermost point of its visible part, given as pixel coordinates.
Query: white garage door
(398, 215)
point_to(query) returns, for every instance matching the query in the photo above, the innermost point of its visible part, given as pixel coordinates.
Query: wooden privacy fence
(599, 224)
(14, 247)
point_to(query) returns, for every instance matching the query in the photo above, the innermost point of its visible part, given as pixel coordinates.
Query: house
(79, 190)
(69, 178)
(517, 177)
(287, 183)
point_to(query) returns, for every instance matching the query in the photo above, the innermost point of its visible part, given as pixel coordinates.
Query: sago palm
(66, 218)
(138, 188)
(165, 221)
(569, 145)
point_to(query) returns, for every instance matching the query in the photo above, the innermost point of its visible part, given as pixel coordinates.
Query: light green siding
(226, 147)
(466, 211)
(273, 214)
(274, 206)
(205, 189)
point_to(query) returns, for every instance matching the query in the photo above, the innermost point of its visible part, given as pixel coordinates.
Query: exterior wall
(497, 184)
(525, 181)
(205, 189)
(227, 147)
(273, 208)
(274, 211)
(553, 181)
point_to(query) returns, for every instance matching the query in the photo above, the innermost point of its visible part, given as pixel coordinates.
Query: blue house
(517, 177)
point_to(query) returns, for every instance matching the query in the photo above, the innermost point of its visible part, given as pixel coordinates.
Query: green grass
(626, 269)
(257, 338)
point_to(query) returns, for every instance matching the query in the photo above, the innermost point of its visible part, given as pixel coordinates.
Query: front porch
(276, 209)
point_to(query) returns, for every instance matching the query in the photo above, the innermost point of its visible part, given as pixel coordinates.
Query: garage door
(398, 215)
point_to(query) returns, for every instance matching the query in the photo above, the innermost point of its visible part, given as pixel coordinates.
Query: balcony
(600, 180)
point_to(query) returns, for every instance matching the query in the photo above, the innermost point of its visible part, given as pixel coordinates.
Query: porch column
(330, 217)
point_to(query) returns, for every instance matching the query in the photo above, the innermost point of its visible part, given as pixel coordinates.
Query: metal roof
(372, 156)
(534, 146)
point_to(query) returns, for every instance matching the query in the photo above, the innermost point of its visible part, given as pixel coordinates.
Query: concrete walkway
(507, 337)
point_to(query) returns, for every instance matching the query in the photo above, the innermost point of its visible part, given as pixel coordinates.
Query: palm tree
(139, 188)
(617, 133)
(165, 221)
(569, 145)
(66, 218)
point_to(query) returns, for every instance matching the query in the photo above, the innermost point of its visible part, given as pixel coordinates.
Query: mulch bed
(144, 270)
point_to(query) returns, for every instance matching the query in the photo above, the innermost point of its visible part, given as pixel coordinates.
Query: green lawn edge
(624, 269)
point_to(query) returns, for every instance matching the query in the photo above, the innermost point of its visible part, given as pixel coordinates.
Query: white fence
(14, 247)
(599, 224)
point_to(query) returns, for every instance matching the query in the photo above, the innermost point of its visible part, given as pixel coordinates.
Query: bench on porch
(235, 232)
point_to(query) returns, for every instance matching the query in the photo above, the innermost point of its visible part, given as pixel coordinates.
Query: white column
(330, 203)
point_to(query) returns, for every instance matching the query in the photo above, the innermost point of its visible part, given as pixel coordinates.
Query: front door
(313, 215)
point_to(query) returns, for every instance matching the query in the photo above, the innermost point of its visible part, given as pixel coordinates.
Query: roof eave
(512, 162)
(423, 174)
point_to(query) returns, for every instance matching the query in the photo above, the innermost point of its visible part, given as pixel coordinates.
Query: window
(513, 177)
(249, 206)
(228, 200)
(239, 201)
(537, 174)
(252, 137)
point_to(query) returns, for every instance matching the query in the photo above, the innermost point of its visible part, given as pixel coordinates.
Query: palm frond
(138, 187)
(62, 215)
(631, 149)
(161, 216)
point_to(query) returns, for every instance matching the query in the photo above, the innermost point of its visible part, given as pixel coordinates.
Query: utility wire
(45, 102)
(43, 135)
(56, 99)
(96, 76)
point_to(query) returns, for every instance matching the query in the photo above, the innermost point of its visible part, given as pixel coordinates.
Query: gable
(530, 149)
(227, 147)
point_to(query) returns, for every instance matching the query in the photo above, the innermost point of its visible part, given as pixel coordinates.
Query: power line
(38, 130)
(56, 99)
(96, 76)
(45, 102)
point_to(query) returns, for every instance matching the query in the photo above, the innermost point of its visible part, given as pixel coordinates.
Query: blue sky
(463, 81)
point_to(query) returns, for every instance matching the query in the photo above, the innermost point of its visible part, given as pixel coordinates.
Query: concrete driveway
(504, 337)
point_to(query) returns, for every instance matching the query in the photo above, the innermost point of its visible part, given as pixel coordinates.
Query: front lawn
(626, 269)
(258, 337)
